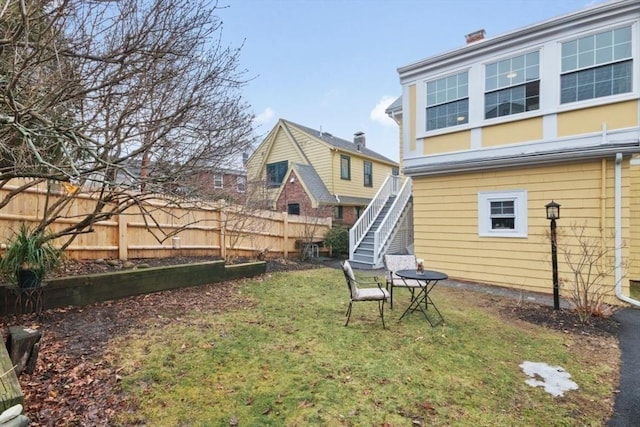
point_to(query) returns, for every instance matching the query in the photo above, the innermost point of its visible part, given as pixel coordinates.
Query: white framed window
(502, 213)
(241, 182)
(218, 180)
(448, 101)
(512, 85)
(597, 65)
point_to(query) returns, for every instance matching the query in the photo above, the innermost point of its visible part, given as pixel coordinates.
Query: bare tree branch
(126, 99)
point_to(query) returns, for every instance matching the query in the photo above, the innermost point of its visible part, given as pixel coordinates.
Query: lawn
(283, 358)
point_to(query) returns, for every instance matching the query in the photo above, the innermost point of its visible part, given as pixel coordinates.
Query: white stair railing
(388, 188)
(383, 233)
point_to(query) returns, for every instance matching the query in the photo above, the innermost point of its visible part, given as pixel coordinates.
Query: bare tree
(123, 100)
(590, 261)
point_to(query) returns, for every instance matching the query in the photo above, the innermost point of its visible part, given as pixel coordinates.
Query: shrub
(338, 238)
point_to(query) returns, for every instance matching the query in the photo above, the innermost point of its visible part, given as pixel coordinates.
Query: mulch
(75, 383)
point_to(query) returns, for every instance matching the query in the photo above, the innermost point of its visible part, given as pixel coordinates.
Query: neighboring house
(305, 171)
(228, 184)
(493, 131)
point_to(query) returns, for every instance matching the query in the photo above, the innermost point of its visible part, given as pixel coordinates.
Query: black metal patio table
(427, 280)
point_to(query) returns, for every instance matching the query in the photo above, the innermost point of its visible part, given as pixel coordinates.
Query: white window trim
(241, 181)
(519, 198)
(218, 180)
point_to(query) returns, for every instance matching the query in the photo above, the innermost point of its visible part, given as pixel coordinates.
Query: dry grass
(284, 358)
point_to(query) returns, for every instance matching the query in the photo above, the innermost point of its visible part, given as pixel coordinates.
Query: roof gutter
(521, 159)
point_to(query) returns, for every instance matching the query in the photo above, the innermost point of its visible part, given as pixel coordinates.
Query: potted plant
(28, 257)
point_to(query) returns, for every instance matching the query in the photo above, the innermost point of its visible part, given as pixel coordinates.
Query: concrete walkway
(627, 406)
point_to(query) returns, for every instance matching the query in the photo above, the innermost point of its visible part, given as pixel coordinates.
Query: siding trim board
(522, 159)
(529, 34)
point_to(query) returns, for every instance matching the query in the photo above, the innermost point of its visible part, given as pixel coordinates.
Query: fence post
(285, 234)
(223, 229)
(123, 243)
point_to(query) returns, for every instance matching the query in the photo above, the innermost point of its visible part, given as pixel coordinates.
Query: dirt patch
(564, 320)
(75, 384)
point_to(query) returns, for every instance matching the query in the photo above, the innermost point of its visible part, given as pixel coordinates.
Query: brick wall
(293, 192)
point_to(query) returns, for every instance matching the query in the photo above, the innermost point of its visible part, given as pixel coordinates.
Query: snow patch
(555, 379)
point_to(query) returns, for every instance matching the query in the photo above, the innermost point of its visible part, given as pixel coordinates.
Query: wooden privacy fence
(216, 230)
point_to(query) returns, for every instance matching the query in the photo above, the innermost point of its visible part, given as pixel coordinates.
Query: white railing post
(360, 228)
(390, 220)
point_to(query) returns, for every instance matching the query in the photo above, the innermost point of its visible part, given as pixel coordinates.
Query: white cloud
(378, 115)
(265, 117)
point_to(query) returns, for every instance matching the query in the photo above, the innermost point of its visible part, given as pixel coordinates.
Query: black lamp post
(553, 213)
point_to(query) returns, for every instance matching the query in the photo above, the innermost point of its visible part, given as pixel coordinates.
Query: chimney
(359, 140)
(475, 36)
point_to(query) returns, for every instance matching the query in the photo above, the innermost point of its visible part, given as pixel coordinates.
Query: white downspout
(618, 231)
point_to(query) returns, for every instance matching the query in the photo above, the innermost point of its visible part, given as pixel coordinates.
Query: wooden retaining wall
(89, 289)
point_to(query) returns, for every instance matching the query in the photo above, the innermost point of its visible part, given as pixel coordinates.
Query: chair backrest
(350, 278)
(395, 263)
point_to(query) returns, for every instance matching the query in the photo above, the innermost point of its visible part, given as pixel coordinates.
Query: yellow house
(494, 130)
(304, 171)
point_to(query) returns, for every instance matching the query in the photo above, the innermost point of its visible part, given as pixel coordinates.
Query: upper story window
(597, 65)
(241, 182)
(512, 86)
(448, 101)
(345, 167)
(276, 173)
(368, 174)
(218, 180)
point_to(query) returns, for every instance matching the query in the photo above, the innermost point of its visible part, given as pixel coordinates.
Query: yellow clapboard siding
(457, 141)
(282, 149)
(634, 224)
(355, 186)
(318, 155)
(446, 220)
(512, 132)
(616, 116)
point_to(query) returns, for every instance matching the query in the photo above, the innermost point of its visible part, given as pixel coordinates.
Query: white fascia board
(535, 33)
(528, 154)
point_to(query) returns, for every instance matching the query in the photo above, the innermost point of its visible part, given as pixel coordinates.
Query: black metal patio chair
(379, 293)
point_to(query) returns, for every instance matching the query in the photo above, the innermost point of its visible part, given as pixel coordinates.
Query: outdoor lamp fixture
(553, 210)
(553, 213)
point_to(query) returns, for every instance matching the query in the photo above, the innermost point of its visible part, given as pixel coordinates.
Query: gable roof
(395, 106)
(339, 143)
(313, 183)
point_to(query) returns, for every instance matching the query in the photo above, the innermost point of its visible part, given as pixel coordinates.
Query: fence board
(215, 230)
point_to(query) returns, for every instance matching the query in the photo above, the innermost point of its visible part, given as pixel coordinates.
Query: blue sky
(332, 64)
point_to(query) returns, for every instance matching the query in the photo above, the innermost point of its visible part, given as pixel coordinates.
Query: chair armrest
(367, 280)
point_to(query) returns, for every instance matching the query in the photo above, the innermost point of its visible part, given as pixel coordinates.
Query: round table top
(424, 275)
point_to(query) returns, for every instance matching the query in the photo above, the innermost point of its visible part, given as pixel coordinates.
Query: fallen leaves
(76, 380)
